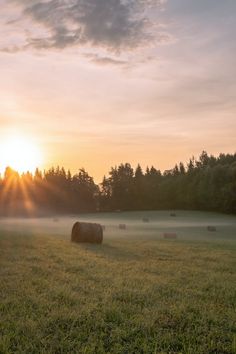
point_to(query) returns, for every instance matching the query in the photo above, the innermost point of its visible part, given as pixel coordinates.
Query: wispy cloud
(102, 60)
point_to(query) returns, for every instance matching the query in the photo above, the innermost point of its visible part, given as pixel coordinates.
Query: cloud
(102, 60)
(114, 25)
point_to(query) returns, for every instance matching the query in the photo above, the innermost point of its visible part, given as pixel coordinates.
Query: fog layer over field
(143, 224)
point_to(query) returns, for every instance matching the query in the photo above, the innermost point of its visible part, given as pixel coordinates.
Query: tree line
(207, 183)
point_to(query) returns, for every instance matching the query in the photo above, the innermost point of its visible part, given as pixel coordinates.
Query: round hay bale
(83, 232)
(173, 215)
(211, 228)
(170, 235)
(122, 226)
(145, 219)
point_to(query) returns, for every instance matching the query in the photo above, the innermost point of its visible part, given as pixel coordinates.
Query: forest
(206, 183)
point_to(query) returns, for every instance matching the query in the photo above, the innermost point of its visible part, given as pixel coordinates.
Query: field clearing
(136, 293)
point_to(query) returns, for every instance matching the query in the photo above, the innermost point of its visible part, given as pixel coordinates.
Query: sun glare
(19, 153)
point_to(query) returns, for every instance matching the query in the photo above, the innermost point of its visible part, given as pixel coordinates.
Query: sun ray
(28, 205)
(22, 155)
(9, 190)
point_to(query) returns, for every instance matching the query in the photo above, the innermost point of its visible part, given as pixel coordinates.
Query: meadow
(135, 293)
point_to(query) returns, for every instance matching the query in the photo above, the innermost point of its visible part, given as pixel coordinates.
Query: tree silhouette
(207, 183)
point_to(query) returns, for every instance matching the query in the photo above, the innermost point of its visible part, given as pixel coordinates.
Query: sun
(20, 153)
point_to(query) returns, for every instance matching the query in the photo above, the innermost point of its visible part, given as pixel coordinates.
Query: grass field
(136, 293)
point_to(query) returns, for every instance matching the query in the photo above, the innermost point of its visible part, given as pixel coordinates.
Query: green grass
(130, 295)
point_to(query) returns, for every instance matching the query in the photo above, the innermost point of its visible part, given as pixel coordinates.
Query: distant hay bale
(83, 232)
(145, 220)
(170, 235)
(122, 226)
(55, 220)
(173, 214)
(211, 228)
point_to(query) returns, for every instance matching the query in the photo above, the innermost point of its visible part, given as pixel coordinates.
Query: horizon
(93, 84)
(143, 168)
(105, 174)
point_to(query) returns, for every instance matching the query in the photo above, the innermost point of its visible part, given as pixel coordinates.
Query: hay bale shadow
(112, 252)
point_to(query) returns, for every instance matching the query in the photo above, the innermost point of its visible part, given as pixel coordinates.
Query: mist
(144, 225)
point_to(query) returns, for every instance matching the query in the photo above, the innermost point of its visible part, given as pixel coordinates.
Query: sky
(98, 82)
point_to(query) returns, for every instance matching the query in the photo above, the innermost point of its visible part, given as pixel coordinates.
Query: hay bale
(145, 220)
(211, 228)
(55, 220)
(170, 235)
(172, 214)
(87, 232)
(122, 226)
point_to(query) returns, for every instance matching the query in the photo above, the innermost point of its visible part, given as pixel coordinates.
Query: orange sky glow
(149, 82)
